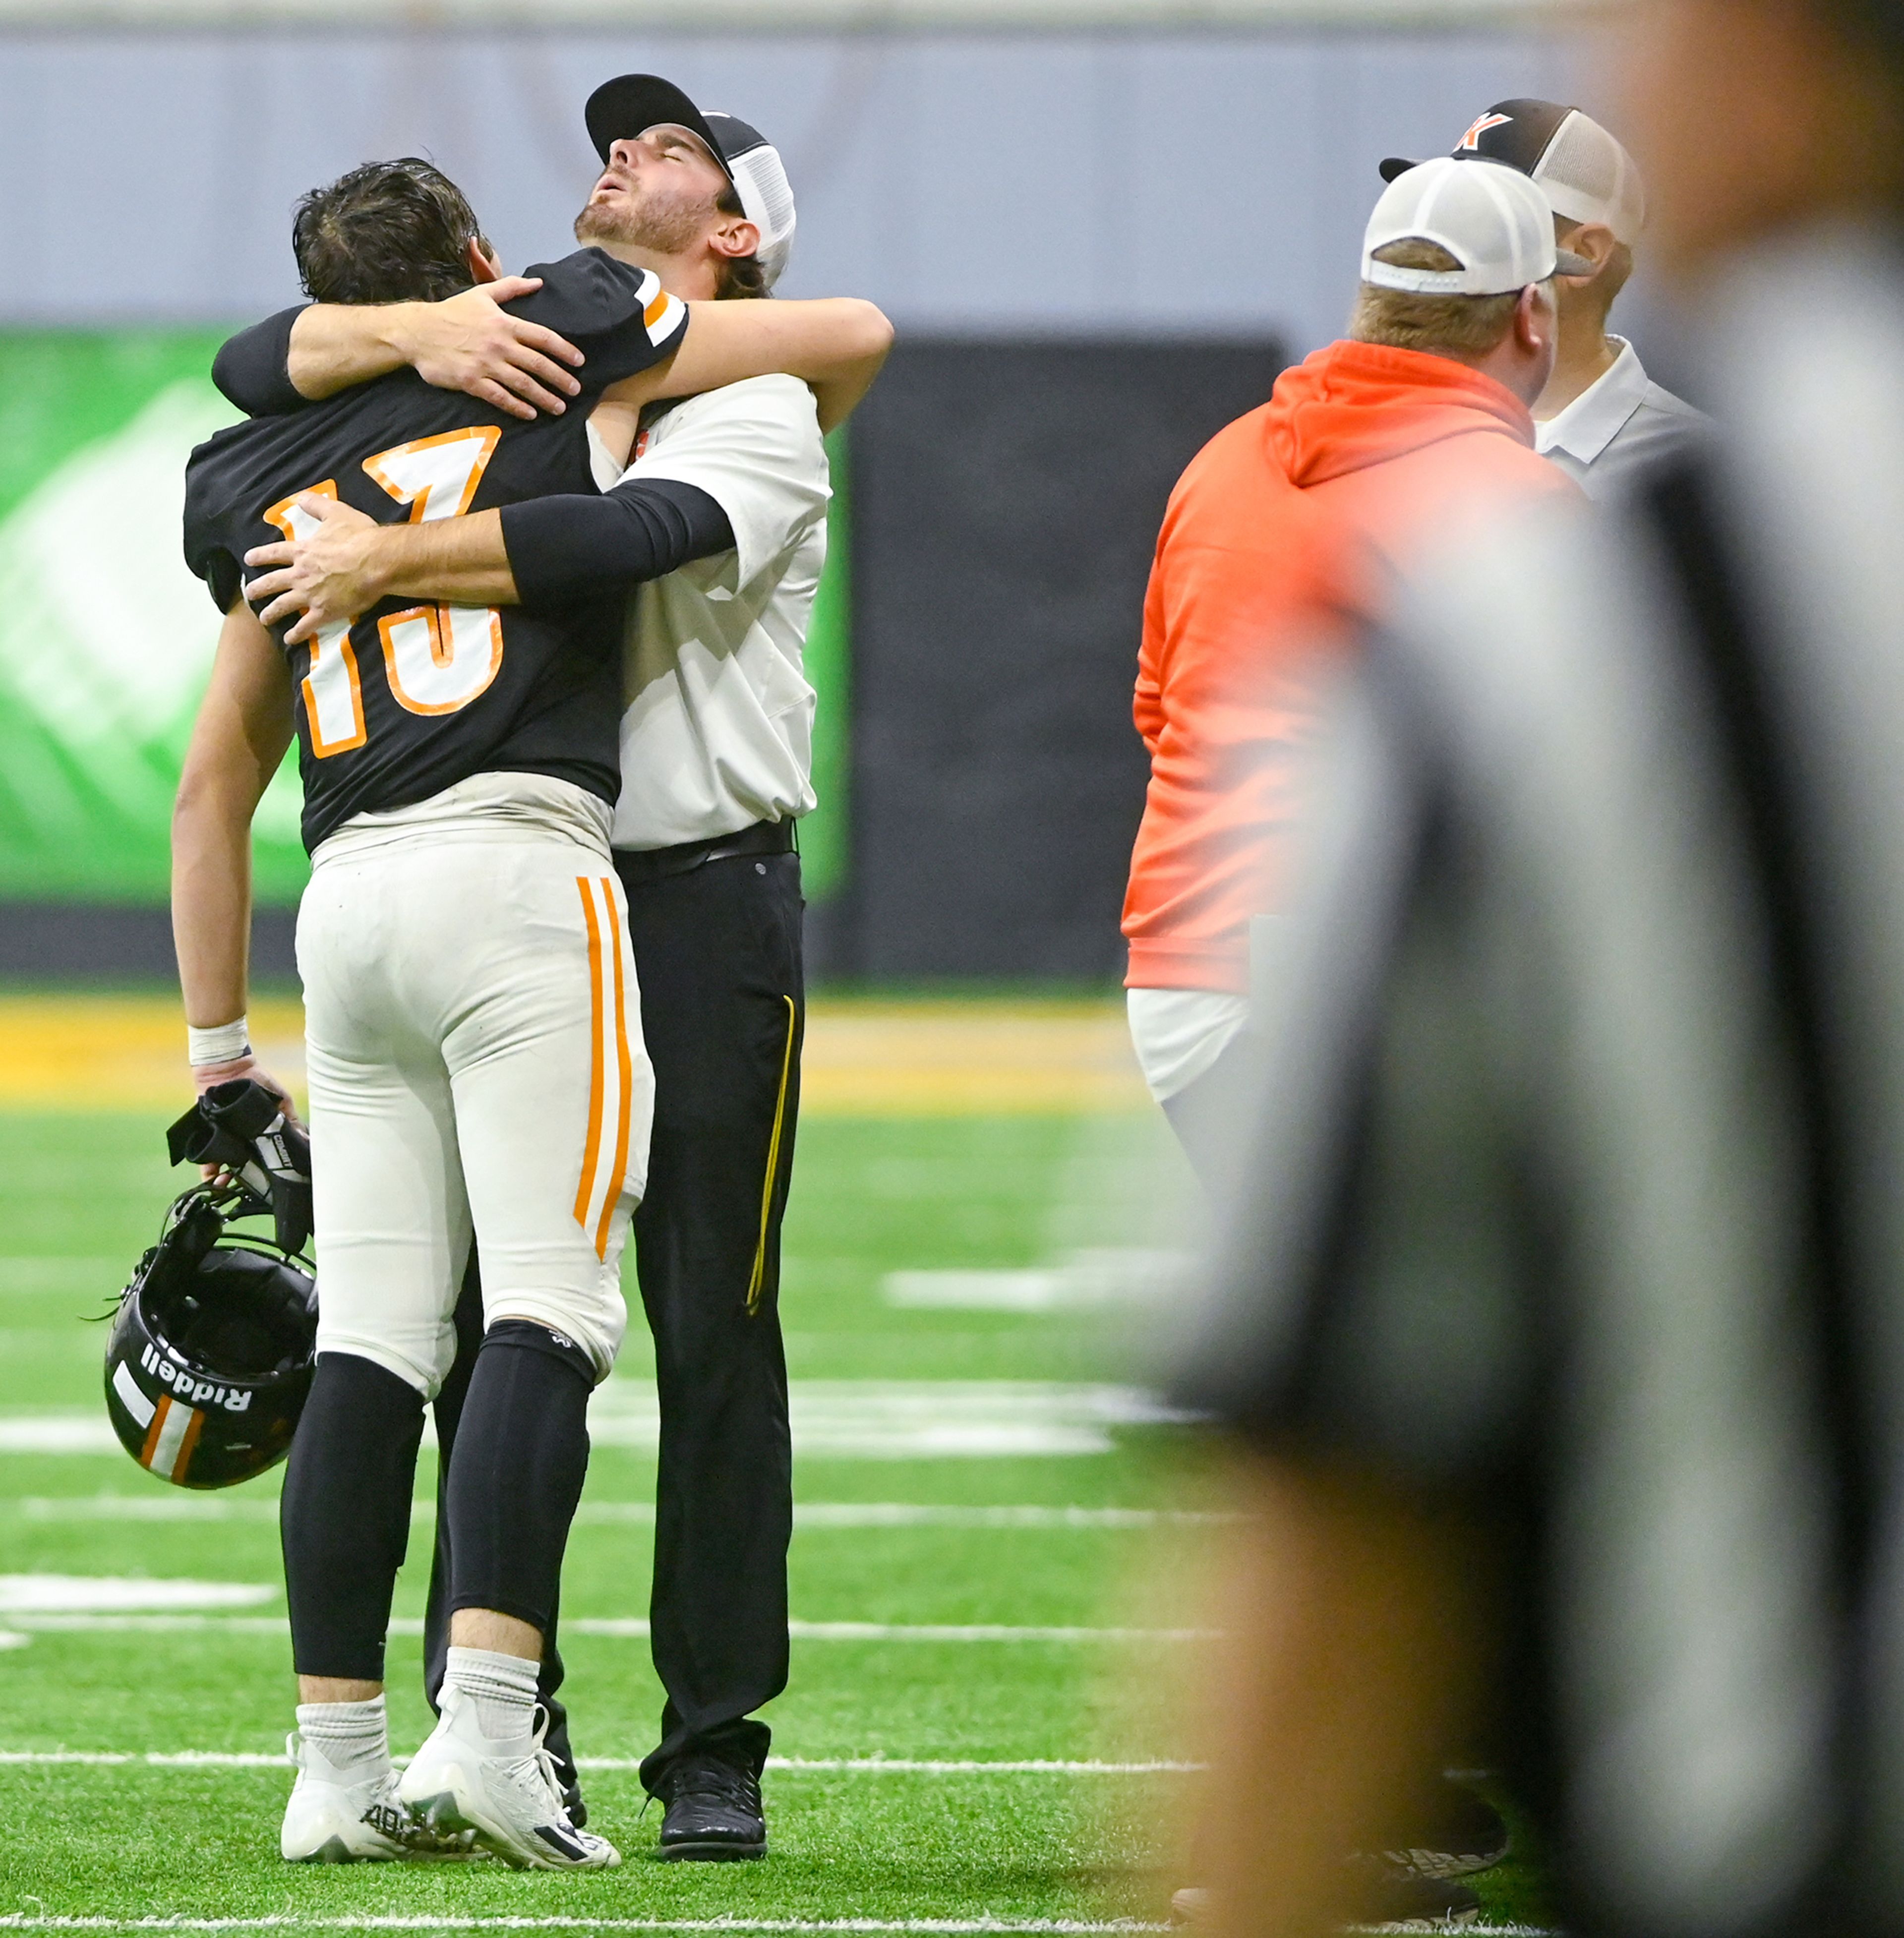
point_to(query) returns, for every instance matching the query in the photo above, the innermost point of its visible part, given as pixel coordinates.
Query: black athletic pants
(717, 949)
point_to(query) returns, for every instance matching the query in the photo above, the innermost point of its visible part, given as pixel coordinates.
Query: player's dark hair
(388, 232)
(737, 275)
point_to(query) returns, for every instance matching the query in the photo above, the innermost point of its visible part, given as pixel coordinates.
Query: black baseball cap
(1516, 132)
(631, 103)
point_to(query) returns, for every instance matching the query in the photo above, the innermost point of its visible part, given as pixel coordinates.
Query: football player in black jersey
(474, 1043)
(713, 903)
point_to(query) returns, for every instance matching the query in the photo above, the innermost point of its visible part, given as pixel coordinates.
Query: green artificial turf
(79, 1197)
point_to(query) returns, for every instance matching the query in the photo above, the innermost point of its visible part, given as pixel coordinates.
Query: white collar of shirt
(1599, 413)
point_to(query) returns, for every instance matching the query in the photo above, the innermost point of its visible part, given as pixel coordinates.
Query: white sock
(503, 1688)
(354, 1738)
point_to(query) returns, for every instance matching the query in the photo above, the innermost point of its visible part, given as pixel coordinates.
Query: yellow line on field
(101, 1052)
(977, 1059)
(873, 1058)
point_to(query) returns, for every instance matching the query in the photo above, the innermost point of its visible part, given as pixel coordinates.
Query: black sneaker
(1387, 1894)
(1457, 1834)
(715, 1814)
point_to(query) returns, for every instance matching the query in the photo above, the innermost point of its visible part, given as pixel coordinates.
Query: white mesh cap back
(1589, 177)
(1491, 219)
(761, 179)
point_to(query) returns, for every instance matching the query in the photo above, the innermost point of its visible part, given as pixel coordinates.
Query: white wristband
(224, 1044)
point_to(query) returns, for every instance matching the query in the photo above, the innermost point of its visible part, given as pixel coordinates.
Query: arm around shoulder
(468, 342)
(837, 344)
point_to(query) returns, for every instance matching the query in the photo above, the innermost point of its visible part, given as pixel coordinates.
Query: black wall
(57, 942)
(1006, 500)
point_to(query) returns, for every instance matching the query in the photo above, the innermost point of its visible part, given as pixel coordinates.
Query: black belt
(654, 864)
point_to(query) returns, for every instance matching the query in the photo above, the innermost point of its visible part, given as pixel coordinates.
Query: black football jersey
(412, 697)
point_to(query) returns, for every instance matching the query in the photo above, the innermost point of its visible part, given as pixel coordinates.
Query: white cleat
(505, 1792)
(334, 1817)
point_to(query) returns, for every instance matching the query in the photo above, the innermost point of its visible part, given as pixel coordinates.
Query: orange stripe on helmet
(152, 1432)
(186, 1447)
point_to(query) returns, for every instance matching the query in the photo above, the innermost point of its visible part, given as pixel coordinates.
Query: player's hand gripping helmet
(212, 1349)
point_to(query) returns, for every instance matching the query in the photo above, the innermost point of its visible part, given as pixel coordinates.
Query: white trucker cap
(759, 178)
(1491, 219)
(631, 103)
(1585, 175)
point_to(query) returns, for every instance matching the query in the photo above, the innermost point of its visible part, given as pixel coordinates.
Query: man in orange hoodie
(1276, 539)
(1272, 552)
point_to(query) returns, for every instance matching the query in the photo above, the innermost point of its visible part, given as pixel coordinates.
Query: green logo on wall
(106, 640)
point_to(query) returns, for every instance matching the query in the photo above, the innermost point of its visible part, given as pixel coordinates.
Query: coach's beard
(668, 227)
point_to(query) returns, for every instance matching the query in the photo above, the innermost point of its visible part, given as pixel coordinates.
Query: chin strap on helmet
(241, 1127)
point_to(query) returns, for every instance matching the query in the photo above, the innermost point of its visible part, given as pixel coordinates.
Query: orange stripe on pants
(624, 1070)
(591, 1159)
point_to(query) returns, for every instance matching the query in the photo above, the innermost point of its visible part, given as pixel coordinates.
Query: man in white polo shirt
(716, 755)
(1601, 419)
(716, 758)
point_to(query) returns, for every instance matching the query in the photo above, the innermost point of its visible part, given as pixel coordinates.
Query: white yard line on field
(290, 1922)
(858, 1765)
(629, 1628)
(933, 1632)
(1056, 1927)
(22, 1595)
(906, 1767)
(839, 1420)
(810, 1514)
(179, 1506)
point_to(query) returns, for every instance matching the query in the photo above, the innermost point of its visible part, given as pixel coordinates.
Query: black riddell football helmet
(212, 1348)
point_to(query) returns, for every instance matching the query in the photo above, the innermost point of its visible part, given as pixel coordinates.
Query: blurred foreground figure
(1567, 1306)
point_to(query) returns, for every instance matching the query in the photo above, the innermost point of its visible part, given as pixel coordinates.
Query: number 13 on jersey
(437, 658)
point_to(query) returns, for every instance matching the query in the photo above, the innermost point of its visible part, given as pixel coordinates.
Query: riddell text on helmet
(194, 1393)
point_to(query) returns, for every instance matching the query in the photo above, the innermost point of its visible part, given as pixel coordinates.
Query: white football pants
(474, 1038)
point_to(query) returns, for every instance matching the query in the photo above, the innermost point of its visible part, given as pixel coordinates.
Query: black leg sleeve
(344, 1515)
(717, 953)
(521, 1455)
(448, 1409)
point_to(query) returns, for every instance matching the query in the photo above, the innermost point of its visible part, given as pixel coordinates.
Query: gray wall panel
(1132, 183)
